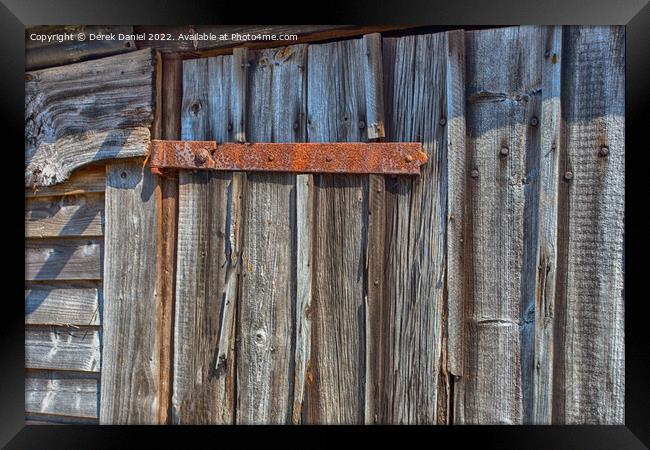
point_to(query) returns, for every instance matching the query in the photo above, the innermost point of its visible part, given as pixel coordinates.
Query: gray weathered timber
(503, 90)
(589, 377)
(546, 258)
(86, 112)
(415, 229)
(41, 54)
(276, 112)
(374, 88)
(63, 348)
(457, 275)
(79, 215)
(336, 373)
(83, 181)
(63, 259)
(62, 304)
(208, 256)
(130, 375)
(62, 393)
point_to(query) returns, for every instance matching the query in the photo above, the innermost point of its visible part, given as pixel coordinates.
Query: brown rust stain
(393, 158)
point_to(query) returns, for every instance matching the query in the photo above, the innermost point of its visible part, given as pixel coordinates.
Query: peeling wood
(87, 112)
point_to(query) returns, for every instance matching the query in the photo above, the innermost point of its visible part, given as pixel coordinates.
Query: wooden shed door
(277, 319)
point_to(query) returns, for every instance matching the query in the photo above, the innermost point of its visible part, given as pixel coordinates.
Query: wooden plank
(62, 348)
(589, 366)
(40, 53)
(546, 264)
(79, 215)
(265, 354)
(58, 304)
(130, 374)
(171, 93)
(503, 96)
(457, 275)
(412, 345)
(208, 256)
(55, 419)
(63, 259)
(374, 88)
(86, 112)
(336, 105)
(213, 47)
(83, 181)
(62, 393)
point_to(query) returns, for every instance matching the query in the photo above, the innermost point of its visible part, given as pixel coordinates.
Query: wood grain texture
(208, 257)
(336, 104)
(457, 216)
(589, 345)
(63, 259)
(41, 54)
(62, 394)
(79, 215)
(83, 181)
(62, 304)
(86, 112)
(130, 375)
(276, 112)
(415, 229)
(374, 88)
(503, 90)
(62, 348)
(546, 264)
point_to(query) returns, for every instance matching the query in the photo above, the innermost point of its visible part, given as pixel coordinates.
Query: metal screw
(376, 282)
(362, 124)
(504, 151)
(475, 173)
(408, 158)
(378, 190)
(568, 175)
(534, 121)
(604, 151)
(328, 158)
(123, 175)
(442, 121)
(270, 158)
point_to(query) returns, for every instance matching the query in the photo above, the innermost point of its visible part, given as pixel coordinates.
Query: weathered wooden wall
(64, 229)
(486, 290)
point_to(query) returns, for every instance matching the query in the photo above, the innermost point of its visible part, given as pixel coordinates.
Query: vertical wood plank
(589, 377)
(208, 249)
(503, 90)
(546, 265)
(412, 344)
(374, 87)
(265, 352)
(130, 373)
(336, 105)
(170, 90)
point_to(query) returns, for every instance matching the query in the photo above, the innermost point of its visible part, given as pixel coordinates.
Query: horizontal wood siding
(81, 215)
(68, 395)
(63, 259)
(62, 304)
(63, 348)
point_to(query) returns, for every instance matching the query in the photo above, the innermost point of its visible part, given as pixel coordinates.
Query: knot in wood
(604, 151)
(474, 173)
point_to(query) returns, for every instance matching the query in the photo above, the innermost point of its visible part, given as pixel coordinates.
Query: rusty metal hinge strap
(398, 158)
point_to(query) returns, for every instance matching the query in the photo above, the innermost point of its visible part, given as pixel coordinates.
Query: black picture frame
(17, 14)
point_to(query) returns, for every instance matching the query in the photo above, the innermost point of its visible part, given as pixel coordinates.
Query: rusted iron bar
(395, 158)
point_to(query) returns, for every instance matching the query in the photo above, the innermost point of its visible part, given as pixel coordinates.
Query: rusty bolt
(604, 151)
(362, 124)
(534, 121)
(271, 158)
(504, 151)
(568, 175)
(408, 158)
(328, 158)
(442, 121)
(475, 173)
(376, 282)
